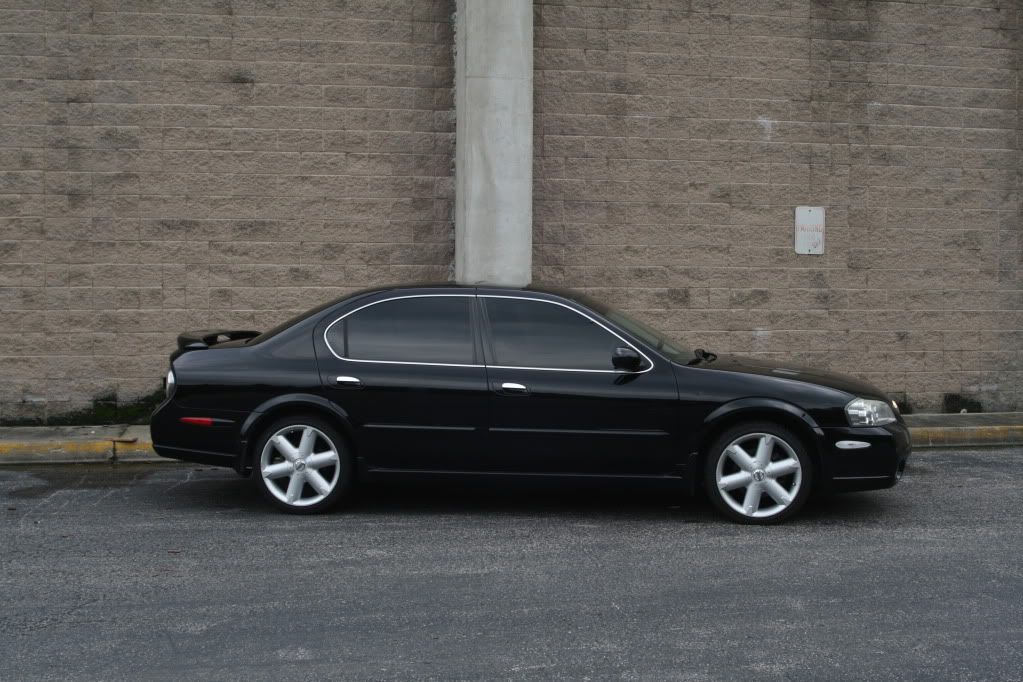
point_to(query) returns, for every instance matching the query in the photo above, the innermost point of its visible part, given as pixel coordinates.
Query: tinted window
(423, 329)
(536, 334)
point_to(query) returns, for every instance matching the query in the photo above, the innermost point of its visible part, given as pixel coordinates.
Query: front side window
(531, 333)
(429, 329)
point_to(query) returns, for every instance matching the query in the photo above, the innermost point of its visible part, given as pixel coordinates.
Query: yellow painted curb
(937, 436)
(76, 451)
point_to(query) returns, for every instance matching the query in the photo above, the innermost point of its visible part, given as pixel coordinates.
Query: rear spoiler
(204, 338)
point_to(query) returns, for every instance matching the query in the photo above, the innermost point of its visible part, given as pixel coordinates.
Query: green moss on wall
(105, 409)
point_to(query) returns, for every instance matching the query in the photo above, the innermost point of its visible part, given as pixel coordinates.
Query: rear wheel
(758, 473)
(303, 465)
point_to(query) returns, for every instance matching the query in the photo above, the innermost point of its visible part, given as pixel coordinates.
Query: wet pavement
(167, 571)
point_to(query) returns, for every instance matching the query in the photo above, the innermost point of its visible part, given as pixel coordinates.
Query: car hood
(840, 382)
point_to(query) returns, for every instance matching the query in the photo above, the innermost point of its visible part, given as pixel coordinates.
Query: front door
(557, 405)
(408, 372)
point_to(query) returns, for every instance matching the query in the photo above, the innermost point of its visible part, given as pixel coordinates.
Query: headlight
(168, 385)
(863, 412)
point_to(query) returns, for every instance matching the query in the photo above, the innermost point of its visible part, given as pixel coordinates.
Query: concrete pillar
(494, 142)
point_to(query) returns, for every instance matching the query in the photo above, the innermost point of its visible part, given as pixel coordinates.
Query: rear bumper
(864, 458)
(214, 445)
(217, 459)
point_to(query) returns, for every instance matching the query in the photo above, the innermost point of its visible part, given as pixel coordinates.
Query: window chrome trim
(448, 364)
(396, 362)
(591, 319)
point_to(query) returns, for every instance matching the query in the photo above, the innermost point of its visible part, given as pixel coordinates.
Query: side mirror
(626, 358)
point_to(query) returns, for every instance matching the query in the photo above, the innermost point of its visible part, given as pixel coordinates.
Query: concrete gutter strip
(122, 443)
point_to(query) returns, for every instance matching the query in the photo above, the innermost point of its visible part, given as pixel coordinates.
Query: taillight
(168, 384)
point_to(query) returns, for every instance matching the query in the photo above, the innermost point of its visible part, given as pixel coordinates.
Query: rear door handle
(513, 388)
(349, 382)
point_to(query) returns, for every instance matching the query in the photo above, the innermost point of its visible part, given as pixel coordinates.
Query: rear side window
(433, 329)
(530, 333)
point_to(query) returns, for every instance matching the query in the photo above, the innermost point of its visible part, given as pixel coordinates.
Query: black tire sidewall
(732, 433)
(346, 477)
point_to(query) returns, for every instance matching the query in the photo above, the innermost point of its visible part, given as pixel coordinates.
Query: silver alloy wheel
(300, 465)
(773, 470)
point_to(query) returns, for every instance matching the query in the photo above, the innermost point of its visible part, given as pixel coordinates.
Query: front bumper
(869, 458)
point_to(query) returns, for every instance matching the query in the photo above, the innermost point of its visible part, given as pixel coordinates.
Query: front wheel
(303, 465)
(758, 473)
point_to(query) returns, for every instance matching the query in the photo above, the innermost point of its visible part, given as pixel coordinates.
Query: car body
(427, 380)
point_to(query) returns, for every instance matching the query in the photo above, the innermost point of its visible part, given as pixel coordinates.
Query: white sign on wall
(809, 229)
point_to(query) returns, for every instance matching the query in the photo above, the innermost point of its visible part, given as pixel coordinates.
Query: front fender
(735, 411)
(737, 407)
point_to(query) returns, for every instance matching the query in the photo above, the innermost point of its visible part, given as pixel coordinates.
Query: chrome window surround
(448, 364)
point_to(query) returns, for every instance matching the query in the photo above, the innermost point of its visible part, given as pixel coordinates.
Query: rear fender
(291, 402)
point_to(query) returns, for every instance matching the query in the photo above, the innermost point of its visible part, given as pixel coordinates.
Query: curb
(78, 452)
(77, 445)
(132, 444)
(946, 436)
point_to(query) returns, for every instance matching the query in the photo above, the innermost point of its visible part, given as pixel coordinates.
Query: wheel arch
(282, 406)
(735, 412)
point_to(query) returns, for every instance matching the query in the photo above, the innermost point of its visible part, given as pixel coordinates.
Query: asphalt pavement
(183, 572)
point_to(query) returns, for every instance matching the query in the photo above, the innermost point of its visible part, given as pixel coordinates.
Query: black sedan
(447, 380)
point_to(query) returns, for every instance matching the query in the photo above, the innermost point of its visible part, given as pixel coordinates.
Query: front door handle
(511, 387)
(349, 382)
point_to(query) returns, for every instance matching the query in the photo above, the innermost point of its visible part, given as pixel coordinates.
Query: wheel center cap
(759, 475)
(299, 465)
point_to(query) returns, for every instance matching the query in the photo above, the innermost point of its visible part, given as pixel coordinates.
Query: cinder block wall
(175, 165)
(673, 140)
(178, 165)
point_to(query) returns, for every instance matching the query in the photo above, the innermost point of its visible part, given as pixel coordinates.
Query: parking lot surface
(174, 571)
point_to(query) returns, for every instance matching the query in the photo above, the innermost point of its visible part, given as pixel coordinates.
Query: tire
(765, 486)
(303, 465)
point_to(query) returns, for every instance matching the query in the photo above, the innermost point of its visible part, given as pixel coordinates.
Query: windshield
(649, 335)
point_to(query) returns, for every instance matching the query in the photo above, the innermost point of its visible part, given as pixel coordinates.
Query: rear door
(557, 405)
(408, 371)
